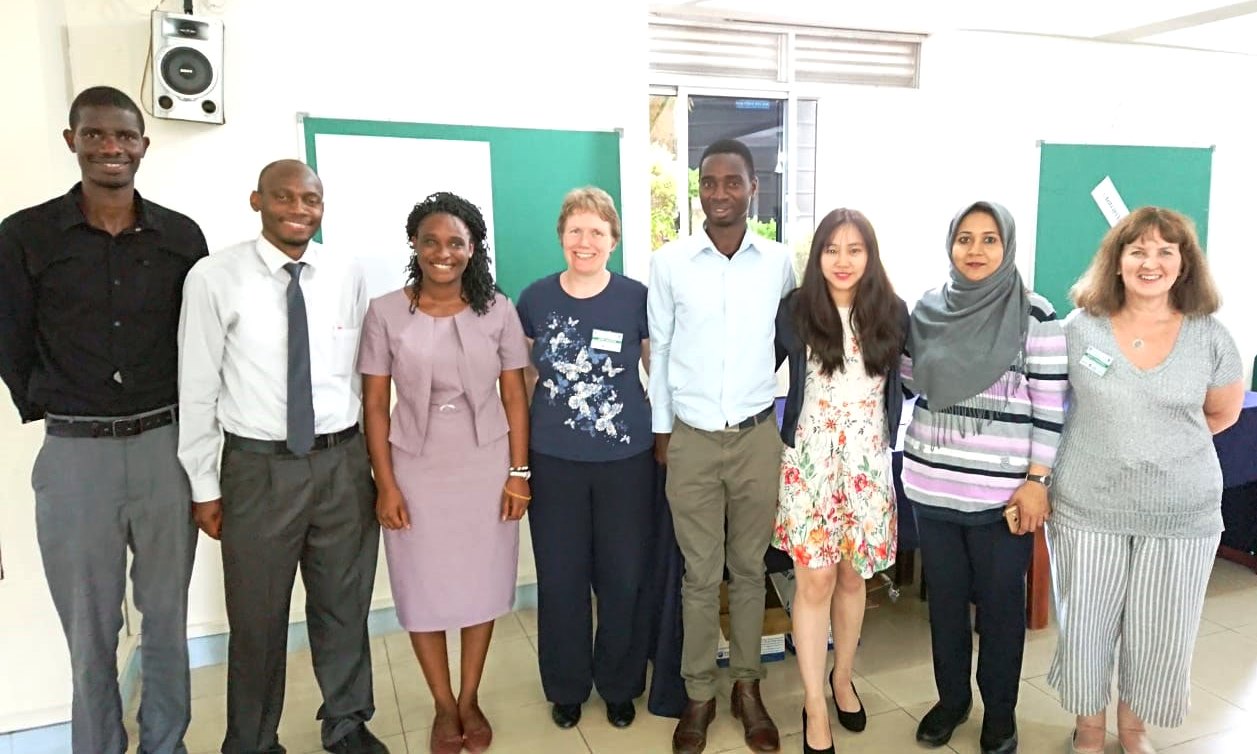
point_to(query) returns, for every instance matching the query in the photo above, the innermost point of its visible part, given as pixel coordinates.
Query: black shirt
(89, 321)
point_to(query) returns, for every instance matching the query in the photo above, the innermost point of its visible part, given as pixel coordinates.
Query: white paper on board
(1109, 201)
(372, 182)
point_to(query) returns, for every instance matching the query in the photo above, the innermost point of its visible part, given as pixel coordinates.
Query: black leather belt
(123, 426)
(750, 421)
(280, 447)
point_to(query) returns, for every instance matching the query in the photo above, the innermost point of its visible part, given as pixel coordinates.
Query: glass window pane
(664, 169)
(803, 213)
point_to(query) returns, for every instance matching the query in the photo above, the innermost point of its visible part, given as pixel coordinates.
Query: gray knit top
(1136, 457)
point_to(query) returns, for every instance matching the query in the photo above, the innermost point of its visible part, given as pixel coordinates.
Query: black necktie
(300, 394)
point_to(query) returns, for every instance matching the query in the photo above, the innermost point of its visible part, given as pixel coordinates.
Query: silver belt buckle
(445, 408)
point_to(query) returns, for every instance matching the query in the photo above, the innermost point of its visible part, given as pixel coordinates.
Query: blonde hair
(1100, 290)
(590, 199)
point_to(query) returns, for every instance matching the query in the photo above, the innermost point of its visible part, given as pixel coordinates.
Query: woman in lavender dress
(451, 461)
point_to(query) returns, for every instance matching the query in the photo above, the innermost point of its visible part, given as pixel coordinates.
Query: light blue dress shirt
(711, 330)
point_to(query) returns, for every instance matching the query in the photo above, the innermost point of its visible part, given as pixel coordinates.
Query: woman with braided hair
(451, 462)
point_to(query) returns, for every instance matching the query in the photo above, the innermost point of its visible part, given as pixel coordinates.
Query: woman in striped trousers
(1137, 500)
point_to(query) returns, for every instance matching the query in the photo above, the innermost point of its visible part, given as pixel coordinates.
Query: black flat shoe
(998, 737)
(807, 748)
(621, 714)
(852, 721)
(565, 715)
(939, 723)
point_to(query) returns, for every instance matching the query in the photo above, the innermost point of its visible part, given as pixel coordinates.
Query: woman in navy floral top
(592, 464)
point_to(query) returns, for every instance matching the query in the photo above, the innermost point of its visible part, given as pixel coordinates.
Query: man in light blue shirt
(711, 306)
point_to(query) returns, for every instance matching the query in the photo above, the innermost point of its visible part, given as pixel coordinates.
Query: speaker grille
(187, 71)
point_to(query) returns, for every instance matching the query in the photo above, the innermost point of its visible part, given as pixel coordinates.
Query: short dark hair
(729, 146)
(103, 96)
(287, 164)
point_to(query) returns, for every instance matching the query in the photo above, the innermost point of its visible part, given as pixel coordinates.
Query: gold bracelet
(516, 495)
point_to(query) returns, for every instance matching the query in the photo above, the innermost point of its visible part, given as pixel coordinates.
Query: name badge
(1096, 360)
(606, 340)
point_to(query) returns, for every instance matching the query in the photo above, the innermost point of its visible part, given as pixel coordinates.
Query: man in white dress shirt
(268, 341)
(712, 306)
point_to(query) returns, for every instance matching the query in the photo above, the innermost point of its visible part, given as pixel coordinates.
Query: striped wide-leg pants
(1142, 593)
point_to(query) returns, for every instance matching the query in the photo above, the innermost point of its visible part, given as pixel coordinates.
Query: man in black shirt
(90, 290)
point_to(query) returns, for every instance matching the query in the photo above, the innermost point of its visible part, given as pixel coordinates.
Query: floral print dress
(837, 496)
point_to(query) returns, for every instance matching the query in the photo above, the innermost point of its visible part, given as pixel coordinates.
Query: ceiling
(1200, 24)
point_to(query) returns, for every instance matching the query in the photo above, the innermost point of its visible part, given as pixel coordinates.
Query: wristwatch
(1043, 479)
(523, 472)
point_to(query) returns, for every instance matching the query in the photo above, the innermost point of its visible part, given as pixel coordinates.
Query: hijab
(966, 335)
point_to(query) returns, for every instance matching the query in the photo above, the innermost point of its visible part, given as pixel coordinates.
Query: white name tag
(605, 340)
(1096, 360)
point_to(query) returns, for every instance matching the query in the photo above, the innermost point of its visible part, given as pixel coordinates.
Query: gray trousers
(281, 511)
(94, 499)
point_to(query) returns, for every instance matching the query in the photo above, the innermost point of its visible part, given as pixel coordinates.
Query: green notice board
(1071, 225)
(531, 171)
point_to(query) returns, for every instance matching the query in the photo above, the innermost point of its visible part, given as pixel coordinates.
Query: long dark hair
(875, 313)
(478, 286)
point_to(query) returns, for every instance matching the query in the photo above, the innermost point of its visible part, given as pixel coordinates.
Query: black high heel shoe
(852, 721)
(807, 749)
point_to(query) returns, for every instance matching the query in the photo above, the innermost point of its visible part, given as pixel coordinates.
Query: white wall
(908, 158)
(911, 158)
(561, 64)
(28, 624)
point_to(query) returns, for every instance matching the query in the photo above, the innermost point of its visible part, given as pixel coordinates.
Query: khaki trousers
(722, 489)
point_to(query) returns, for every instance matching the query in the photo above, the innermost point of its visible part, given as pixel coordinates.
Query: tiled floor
(895, 681)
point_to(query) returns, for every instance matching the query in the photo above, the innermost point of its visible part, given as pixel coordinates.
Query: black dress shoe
(807, 747)
(621, 714)
(565, 715)
(998, 736)
(852, 721)
(939, 723)
(358, 741)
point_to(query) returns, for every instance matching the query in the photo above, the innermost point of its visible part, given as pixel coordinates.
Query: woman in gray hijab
(986, 358)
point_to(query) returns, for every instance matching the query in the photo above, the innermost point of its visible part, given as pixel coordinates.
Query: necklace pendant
(1137, 343)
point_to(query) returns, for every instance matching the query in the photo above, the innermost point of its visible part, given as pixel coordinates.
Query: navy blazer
(790, 347)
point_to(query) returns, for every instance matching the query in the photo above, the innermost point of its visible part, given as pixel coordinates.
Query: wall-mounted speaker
(187, 67)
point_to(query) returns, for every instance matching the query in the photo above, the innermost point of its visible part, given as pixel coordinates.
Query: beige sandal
(1073, 743)
(1144, 746)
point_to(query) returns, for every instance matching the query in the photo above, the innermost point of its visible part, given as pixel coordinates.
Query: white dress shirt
(233, 350)
(712, 320)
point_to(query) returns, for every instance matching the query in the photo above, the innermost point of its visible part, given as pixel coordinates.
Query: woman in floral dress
(593, 466)
(842, 331)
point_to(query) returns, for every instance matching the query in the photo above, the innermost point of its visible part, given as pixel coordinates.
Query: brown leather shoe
(761, 732)
(690, 736)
